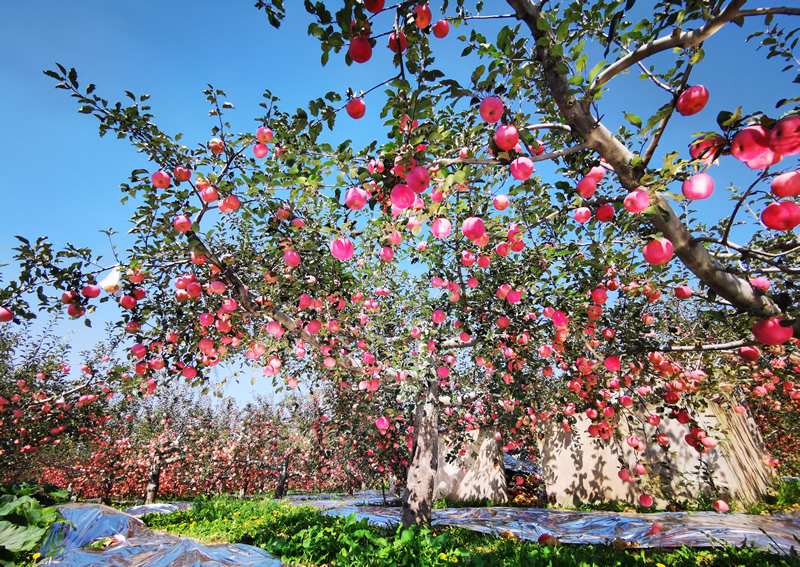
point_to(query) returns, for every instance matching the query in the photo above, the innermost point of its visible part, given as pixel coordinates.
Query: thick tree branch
(708, 348)
(780, 10)
(676, 39)
(577, 114)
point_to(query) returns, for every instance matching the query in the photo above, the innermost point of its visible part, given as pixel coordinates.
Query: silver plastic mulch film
(777, 533)
(131, 543)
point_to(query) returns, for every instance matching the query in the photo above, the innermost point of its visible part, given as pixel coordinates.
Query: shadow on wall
(485, 478)
(580, 468)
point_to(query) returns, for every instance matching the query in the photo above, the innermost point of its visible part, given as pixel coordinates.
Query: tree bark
(418, 499)
(153, 479)
(243, 488)
(283, 477)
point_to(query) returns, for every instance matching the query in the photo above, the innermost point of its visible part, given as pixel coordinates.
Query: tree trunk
(153, 479)
(392, 485)
(418, 499)
(283, 477)
(243, 488)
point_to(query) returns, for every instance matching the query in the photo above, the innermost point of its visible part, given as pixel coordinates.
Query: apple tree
(437, 265)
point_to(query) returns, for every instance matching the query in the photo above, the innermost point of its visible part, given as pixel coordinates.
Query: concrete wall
(485, 478)
(578, 467)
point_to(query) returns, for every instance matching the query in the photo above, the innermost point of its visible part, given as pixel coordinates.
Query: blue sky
(62, 180)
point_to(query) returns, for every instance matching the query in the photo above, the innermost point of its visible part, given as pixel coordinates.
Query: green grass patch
(301, 535)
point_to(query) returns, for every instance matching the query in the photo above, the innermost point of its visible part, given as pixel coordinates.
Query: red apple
(491, 109)
(770, 331)
(397, 42)
(182, 223)
(658, 251)
(587, 186)
(90, 291)
(636, 201)
(441, 28)
(160, 179)
(374, 6)
(750, 353)
(583, 214)
(605, 213)
(69, 297)
(260, 150)
(473, 228)
(707, 150)
(750, 143)
(216, 146)
(182, 173)
(355, 198)
(692, 100)
(521, 168)
(264, 135)
(209, 194)
(782, 215)
(360, 50)
(127, 302)
(784, 138)
(506, 136)
(500, 202)
(683, 292)
(422, 16)
(5, 315)
(698, 186)
(356, 108)
(786, 184)
(418, 178)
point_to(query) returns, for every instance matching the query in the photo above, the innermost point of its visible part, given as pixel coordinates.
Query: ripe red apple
(418, 178)
(291, 257)
(182, 223)
(721, 506)
(216, 146)
(90, 291)
(374, 6)
(182, 173)
(355, 198)
(260, 150)
(636, 201)
(698, 186)
(69, 297)
(582, 214)
(397, 42)
(360, 50)
(441, 28)
(770, 331)
(587, 186)
(750, 353)
(605, 213)
(658, 251)
(750, 143)
(782, 215)
(422, 16)
(521, 168)
(784, 138)
(160, 179)
(74, 310)
(506, 136)
(356, 108)
(491, 109)
(683, 292)
(500, 203)
(473, 228)
(209, 194)
(264, 135)
(707, 150)
(127, 302)
(342, 248)
(5, 315)
(786, 184)
(692, 100)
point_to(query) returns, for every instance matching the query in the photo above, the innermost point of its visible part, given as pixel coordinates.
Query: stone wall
(578, 467)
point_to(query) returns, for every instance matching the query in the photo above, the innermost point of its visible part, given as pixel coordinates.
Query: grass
(301, 535)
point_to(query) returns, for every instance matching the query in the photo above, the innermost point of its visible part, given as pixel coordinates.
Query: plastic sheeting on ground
(669, 529)
(134, 544)
(159, 508)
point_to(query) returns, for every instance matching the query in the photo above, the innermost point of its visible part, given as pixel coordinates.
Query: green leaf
(20, 538)
(633, 119)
